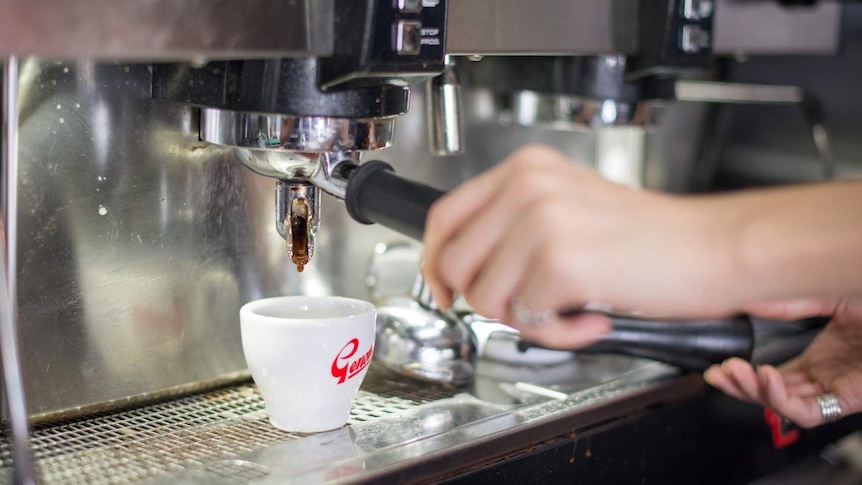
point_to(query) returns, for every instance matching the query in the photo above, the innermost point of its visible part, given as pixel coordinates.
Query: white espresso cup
(308, 355)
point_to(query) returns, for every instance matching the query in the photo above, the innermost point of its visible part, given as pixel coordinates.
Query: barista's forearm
(794, 242)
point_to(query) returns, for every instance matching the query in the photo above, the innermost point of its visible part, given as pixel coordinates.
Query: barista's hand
(557, 235)
(832, 363)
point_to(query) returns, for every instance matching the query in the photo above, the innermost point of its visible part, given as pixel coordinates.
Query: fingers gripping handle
(376, 194)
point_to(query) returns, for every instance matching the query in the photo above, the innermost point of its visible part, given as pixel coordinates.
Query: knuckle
(453, 270)
(850, 397)
(548, 265)
(807, 422)
(520, 164)
(437, 215)
(519, 190)
(808, 418)
(546, 213)
(555, 266)
(486, 303)
(539, 155)
(537, 151)
(530, 156)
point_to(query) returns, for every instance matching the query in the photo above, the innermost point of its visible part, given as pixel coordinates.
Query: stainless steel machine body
(216, 30)
(133, 241)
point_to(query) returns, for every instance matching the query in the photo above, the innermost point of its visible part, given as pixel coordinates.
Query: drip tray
(398, 428)
(203, 429)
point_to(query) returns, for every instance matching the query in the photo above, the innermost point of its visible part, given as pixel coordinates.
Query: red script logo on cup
(343, 367)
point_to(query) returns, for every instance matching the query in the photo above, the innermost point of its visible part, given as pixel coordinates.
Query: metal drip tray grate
(173, 435)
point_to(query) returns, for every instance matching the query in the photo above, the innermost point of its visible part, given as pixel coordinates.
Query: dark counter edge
(676, 431)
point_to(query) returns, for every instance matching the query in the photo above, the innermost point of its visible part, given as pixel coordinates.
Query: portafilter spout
(297, 217)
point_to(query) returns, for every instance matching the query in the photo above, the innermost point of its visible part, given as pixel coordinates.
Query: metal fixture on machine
(10, 361)
(305, 121)
(588, 94)
(444, 111)
(414, 337)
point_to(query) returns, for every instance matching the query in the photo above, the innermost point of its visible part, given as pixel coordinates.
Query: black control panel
(385, 41)
(674, 35)
(380, 48)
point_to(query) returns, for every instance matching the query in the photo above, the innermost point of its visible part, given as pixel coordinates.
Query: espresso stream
(299, 233)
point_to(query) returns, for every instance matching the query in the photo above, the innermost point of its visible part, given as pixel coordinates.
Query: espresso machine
(149, 147)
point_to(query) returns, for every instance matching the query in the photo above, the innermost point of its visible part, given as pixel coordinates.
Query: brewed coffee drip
(299, 233)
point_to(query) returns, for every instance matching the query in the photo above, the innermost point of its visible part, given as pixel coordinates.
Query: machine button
(408, 37)
(409, 6)
(697, 9)
(694, 38)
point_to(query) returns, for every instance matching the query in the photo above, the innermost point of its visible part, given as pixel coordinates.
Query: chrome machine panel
(136, 243)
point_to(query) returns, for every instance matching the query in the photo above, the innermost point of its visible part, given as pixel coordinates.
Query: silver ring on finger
(830, 409)
(527, 317)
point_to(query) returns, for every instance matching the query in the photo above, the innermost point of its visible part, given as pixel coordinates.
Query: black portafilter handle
(690, 345)
(375, 194)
